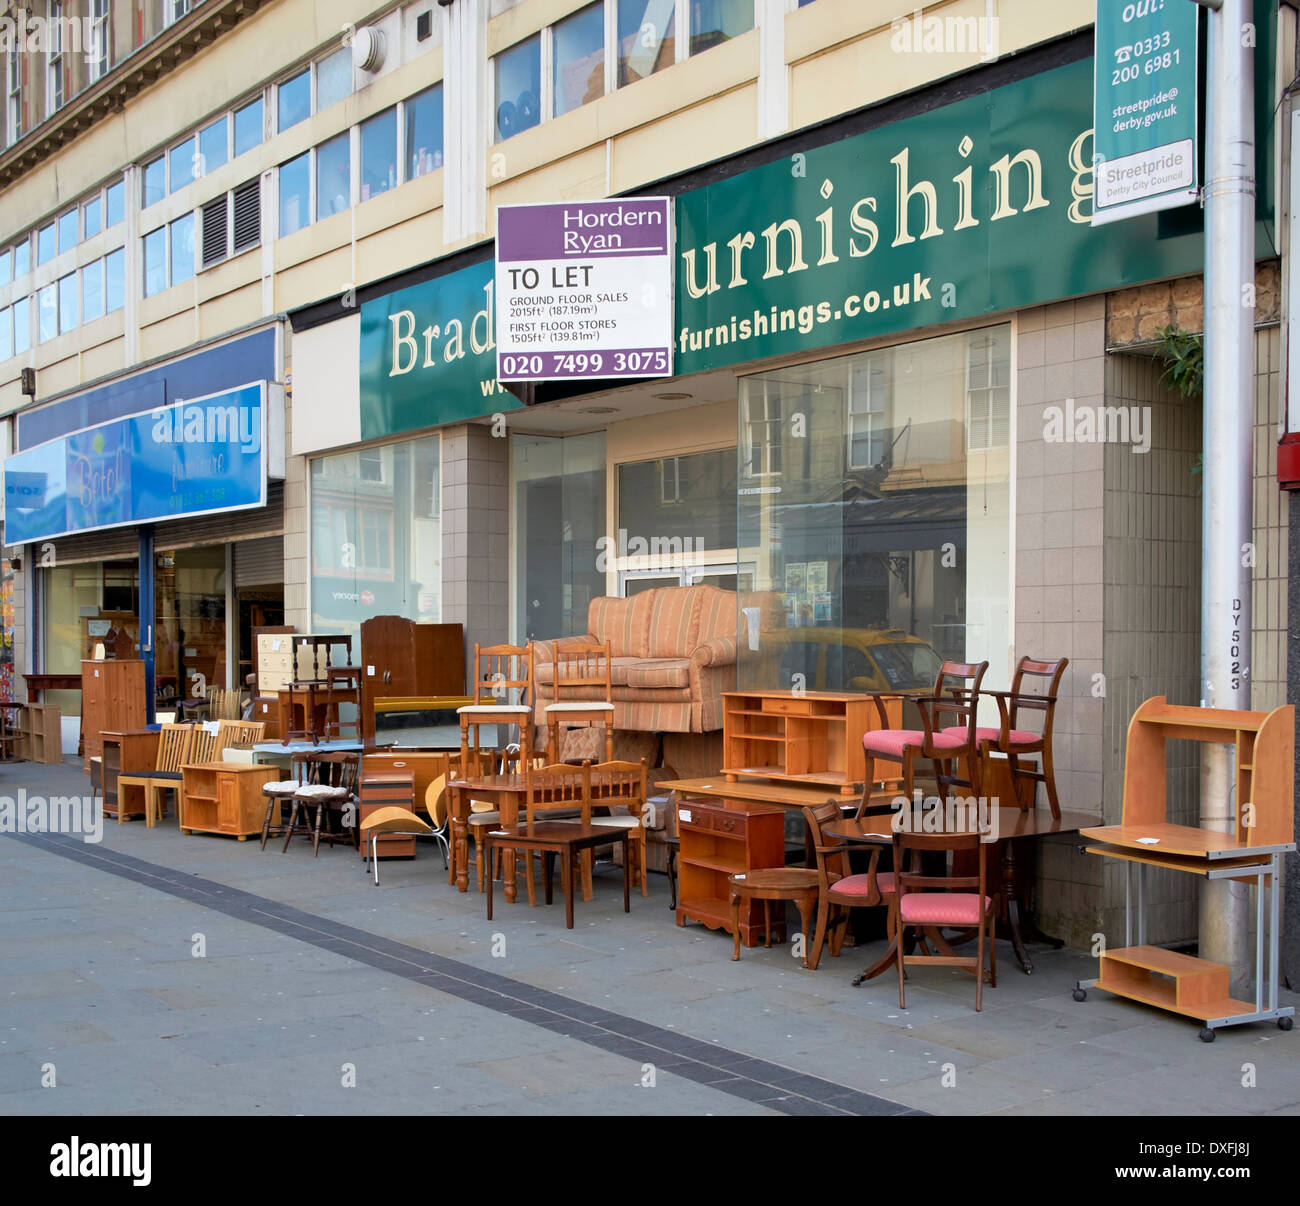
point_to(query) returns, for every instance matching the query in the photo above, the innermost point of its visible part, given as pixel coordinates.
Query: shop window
(295, 194)
(578, 47)
(47, 313)
(154, 182)
(423, 118)
(248, 127)
(293, 100)
(115, 280)
(67, 231)
(376, 544)
(155, 261)
(674, 500)
(988, 391)
(45, 244)
(22, 309)
(114, 204)
(646, 38)
(517, 81)
(333, 79)
(333, 176)
(92, 216)
(181, 238)
(717, 21)
(378, 154)
(92, 291)
(67, 303)
(885, 548)
(214, 146)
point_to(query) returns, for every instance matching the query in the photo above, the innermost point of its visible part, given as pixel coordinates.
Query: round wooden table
(767, 884)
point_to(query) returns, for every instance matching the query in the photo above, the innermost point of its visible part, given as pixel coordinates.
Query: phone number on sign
(536, 365)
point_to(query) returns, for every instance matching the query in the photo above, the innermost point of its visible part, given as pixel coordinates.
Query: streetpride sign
(584, 290)
(1145, 102)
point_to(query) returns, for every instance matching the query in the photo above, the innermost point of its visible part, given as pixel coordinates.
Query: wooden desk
(36, 683)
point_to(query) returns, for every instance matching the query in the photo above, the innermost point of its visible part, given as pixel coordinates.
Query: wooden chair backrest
(203, 746)
(502, 670)
(1033, 700)
(435, 801)
(831, 865)
(582, 669)
(907, 842)
(621, 783)
(558, 788)
(223, 704)
(956, 693)
(513, 761)
(238, 733)
(174, 747)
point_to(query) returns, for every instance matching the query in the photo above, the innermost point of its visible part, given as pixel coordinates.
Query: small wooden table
(126, 752)
(800, 884)
(566, 838)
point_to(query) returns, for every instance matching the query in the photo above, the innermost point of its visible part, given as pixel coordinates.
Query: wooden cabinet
(40, 733)
(404, 660)
(385, 789)
(813, 738)
(112, 697)
(127, 753)
(226, 797)
(721, 838)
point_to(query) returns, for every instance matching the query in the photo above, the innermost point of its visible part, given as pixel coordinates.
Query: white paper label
(275, 644)
(370, 671)
(684, 814)
(1148, 841)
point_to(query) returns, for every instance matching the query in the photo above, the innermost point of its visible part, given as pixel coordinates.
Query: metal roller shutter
(259, 562)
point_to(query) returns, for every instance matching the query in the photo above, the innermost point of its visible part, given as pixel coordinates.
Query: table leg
(509, 809)
(566, 879)
(735, 924)
(460, 839)
(487, 853)
(627, 874)
(1013, 906)
(548, 872)
(807, 905)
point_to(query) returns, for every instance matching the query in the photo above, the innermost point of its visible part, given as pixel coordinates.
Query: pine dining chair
(173, 752)
(583, 695)
(503, 693)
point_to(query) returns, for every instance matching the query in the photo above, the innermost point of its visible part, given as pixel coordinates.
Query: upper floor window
(97, 51)
(295, 194)
(423, 120)
(45, 244)
(182, 165)
(92, 216)
(248, 127)
(67, 231)
(293, 100)
(869, 390)
(578, 50)
(154, 181)
(716, 21)
(174, 10)
(214, 146)
(6, 266)
(333, 176)
(646, 36)
(333, 79)
(379, 154)
(54, 42)
(14, 62)
(22, 258)
(114, 204)
(517, 80)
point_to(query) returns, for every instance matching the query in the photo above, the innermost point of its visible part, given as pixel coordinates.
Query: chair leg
(266, 824)
(588, 892)
(823, 914)
(979, 970)
(315, 837)
(479, 858)
(641, 863)
(1049, 781)
(528, 871)
(838, 933)
(993, 957)
(288, 832)
(735, 924)
(898, 958)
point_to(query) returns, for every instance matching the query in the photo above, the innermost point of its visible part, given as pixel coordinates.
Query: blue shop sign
(195, 457)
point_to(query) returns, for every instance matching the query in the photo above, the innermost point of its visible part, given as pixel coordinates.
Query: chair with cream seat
(623, 783)
(503, 693)
(583, 689)
(282, 792)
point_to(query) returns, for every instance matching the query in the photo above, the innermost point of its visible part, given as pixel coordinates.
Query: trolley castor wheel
(1285, 1023)
(1080, 994)
(1207, 1035)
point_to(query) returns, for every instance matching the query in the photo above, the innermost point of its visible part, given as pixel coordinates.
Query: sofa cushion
(660, 672)
(618, 668)
(675, 621)
(718, 614)
(624, 623)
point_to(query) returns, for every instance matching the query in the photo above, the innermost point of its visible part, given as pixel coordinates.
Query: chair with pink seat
(930, 902)
(956, 694)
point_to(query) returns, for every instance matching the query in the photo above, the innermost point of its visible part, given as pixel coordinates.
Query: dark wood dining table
(507, 794)
(1013, 826)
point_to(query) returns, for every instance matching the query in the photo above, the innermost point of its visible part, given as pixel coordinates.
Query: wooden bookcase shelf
(40, 733)
(721, 838)
(813, 738)
(226, 797)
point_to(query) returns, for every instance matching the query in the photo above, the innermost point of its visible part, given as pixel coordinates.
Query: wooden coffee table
(767, 884)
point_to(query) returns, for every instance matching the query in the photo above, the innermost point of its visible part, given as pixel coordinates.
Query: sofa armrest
(717, 651)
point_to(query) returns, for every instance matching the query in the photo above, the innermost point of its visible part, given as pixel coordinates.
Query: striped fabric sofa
(672, 655)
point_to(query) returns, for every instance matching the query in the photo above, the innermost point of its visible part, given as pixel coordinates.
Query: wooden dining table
(507, 794)
(1013, 825)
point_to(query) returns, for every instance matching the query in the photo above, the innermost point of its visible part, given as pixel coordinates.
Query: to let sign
(1145, 101)
(584, 290)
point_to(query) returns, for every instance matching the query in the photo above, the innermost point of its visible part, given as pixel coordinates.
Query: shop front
(153, 526)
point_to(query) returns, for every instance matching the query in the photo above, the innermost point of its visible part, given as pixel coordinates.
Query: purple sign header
(588, 229)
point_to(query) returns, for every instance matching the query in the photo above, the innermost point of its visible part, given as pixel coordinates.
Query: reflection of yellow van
(850, 659)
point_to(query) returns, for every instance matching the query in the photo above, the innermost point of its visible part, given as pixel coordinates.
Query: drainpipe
(1227, 439)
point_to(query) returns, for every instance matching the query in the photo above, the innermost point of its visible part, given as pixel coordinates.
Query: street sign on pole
(1144, 107)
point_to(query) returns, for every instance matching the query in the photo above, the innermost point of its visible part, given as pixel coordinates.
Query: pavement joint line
(687, 1056)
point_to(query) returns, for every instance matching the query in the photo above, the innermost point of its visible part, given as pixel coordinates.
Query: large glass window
(881, 543)
(115, 279)
(115, 203)
(294, 100)
(248, 127)
(214, 146)
(67, 231)
(646, 38)
(675, 499)
(22, 309)
(715, 21)
(155, 261)
(47, 313)
(295, 192)
(333, 79)
(6, 334)
(6, 266)
(92, 291)
(378, 154)
(579, 53)
(190, 617)
(155, 181)
(45, 244)
(181, 165)
(333, 177)
(182, 249)
(376, 537)
(93, 216)
(423, 117)
(67, 303)
(85, 605)
(517, 76)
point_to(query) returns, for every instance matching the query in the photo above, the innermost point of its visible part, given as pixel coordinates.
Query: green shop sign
(980, 206)
(428, 355)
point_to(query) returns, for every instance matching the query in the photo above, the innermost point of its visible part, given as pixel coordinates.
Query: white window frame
(54, 98)
(311, 192)
(100, 27)
(771, 437)
(869, 416)
(102, 261)
(13, 96)
(986, 388)
(173, 11)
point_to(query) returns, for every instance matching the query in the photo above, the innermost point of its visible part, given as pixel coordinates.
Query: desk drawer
(730, 824)
(787, 707)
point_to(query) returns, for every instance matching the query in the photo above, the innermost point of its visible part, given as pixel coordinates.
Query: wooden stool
(767, 884)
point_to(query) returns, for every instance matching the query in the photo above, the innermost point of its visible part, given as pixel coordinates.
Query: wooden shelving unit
(226, 797)
(814, 738)
(1264, 831)
(112, 697)
(721, 838)
(40, 733)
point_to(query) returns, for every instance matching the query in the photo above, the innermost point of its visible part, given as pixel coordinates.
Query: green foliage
(1183, 357)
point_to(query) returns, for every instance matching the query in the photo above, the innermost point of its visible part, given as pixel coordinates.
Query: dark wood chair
(334, 788)
(929, 902)
(956, 694)
(1018, 743)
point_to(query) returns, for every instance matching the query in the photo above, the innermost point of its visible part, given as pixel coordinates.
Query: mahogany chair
(931, 902)
(1016, 742)
(500, 671)
(956, 694)
(840, 888)
(484, 816)
(582, 672)
(173, 752)
(282, 792)
(623, 783)
(334, 788)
